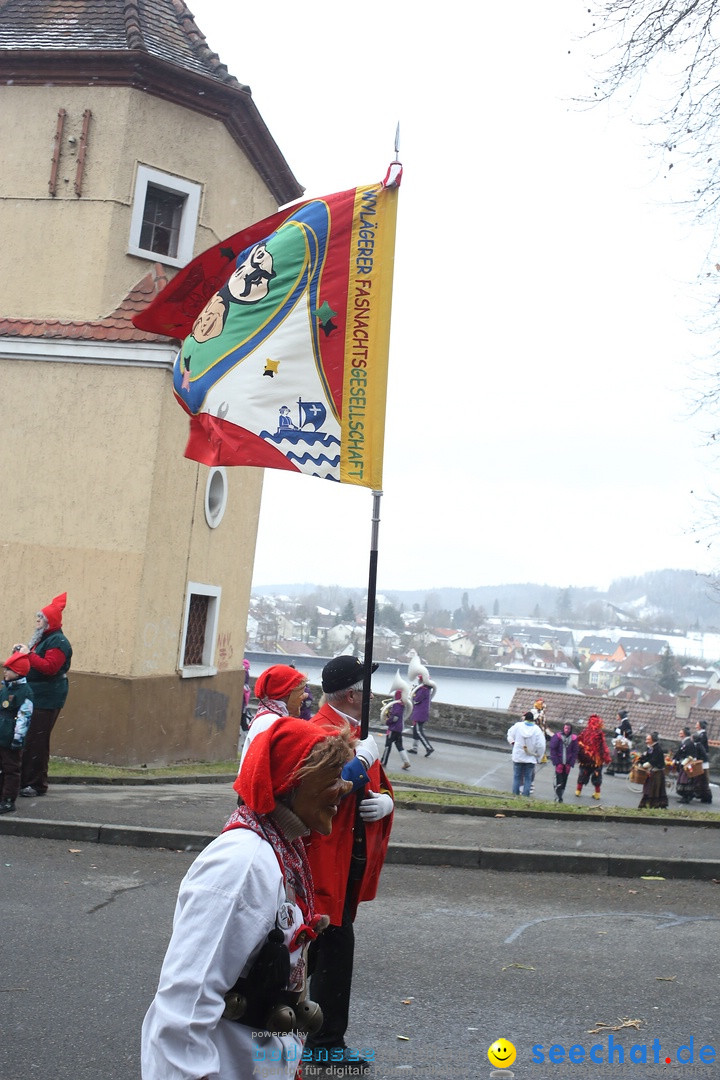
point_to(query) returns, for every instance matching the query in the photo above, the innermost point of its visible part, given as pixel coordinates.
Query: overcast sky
(538, 417)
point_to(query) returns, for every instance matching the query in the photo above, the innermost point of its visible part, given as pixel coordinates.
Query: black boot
(7, 806)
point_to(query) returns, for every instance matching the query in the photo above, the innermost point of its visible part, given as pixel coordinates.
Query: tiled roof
(295, 648)
(644, 715)
(162, 28)
(117, 326)
(152, 45)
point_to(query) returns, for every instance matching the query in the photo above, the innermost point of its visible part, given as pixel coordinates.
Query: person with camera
(50, 655)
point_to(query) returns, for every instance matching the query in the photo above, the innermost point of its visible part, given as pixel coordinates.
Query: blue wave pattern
(319, 464)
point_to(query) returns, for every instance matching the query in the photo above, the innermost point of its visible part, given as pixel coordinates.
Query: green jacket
(50, 691)
(13, 696)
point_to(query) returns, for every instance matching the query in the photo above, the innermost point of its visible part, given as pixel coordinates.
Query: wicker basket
(638, 775)
(693, 768)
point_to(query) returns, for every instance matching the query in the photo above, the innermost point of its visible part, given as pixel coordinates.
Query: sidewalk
(186, 816)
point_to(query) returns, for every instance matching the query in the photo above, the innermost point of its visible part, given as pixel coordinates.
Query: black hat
(342, 673)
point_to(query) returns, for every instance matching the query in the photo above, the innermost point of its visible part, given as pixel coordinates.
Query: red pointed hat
(53, 611)
(273, 760)
(18, 662)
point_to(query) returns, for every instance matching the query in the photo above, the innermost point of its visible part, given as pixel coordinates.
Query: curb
(552, 815)
(553, 862)
(425, 808)
(518, 860)
(94, 833)
(144, 781)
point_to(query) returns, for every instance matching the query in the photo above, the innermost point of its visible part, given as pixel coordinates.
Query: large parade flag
(285, 329)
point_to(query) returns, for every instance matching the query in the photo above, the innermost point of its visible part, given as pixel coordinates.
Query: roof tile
(165, 29)
(117, 326)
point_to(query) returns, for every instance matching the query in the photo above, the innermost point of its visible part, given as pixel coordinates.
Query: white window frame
(217, 484)
(188, 224)
(195, 671)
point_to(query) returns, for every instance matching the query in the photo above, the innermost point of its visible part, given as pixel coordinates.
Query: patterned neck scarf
(283, 831)
(270, 705)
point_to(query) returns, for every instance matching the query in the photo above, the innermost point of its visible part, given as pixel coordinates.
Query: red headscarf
(277, 682)
(273, 760)
(591, 741)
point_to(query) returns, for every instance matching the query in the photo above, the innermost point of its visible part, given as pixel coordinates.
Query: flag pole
(393, 177)
(370, 614)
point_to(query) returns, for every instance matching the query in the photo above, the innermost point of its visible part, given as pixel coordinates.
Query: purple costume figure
(422, 694)
(563, 754)
(244, 715)
(394, 713)
(307, 707)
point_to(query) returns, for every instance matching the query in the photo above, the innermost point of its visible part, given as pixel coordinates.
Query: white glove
(367, 750)
(376, 806)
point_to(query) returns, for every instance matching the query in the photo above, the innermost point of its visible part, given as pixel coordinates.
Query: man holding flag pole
(285, 332)
(346, 866)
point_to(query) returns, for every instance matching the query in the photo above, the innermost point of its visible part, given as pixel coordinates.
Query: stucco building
(128, 148)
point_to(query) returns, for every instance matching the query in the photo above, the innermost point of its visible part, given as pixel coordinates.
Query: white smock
(264, 718)
(228, 902)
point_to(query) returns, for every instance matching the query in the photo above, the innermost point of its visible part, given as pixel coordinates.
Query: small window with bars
(161, 220)
(197, 653)
(165, 212)
(196, 626)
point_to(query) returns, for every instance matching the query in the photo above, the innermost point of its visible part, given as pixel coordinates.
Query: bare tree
(666, 55)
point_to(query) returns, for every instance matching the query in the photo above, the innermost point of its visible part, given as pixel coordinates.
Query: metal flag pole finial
(394, 174)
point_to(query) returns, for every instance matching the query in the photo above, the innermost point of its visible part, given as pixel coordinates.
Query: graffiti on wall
(224, 651)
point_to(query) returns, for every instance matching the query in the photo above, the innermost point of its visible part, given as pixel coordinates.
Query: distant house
(539, 637)
(603, 674)
(708, 700)
(596, 648)
(461, 645)
(639, 644)
(706, 678)
(252, 630)
(641, 664)
(339, 637)
(288, 647)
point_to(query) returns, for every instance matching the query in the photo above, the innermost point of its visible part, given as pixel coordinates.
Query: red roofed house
(128, 148)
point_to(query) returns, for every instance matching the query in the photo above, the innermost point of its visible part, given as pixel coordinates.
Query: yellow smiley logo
(501, 1054)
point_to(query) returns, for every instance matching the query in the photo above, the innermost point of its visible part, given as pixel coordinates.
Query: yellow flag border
(367, 335)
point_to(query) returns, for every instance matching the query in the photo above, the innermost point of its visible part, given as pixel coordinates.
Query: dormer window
(164, 217)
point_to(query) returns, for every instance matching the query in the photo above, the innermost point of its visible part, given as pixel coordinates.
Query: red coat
(329, 856)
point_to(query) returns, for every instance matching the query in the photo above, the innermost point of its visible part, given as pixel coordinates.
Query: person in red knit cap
(232, 997)
(50, 654)
(16, 707)
(280, 691)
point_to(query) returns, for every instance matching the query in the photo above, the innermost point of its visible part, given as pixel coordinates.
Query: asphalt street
(483, 766)
(447, 962)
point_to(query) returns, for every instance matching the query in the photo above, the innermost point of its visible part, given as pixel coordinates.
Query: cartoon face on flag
(285, 360)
